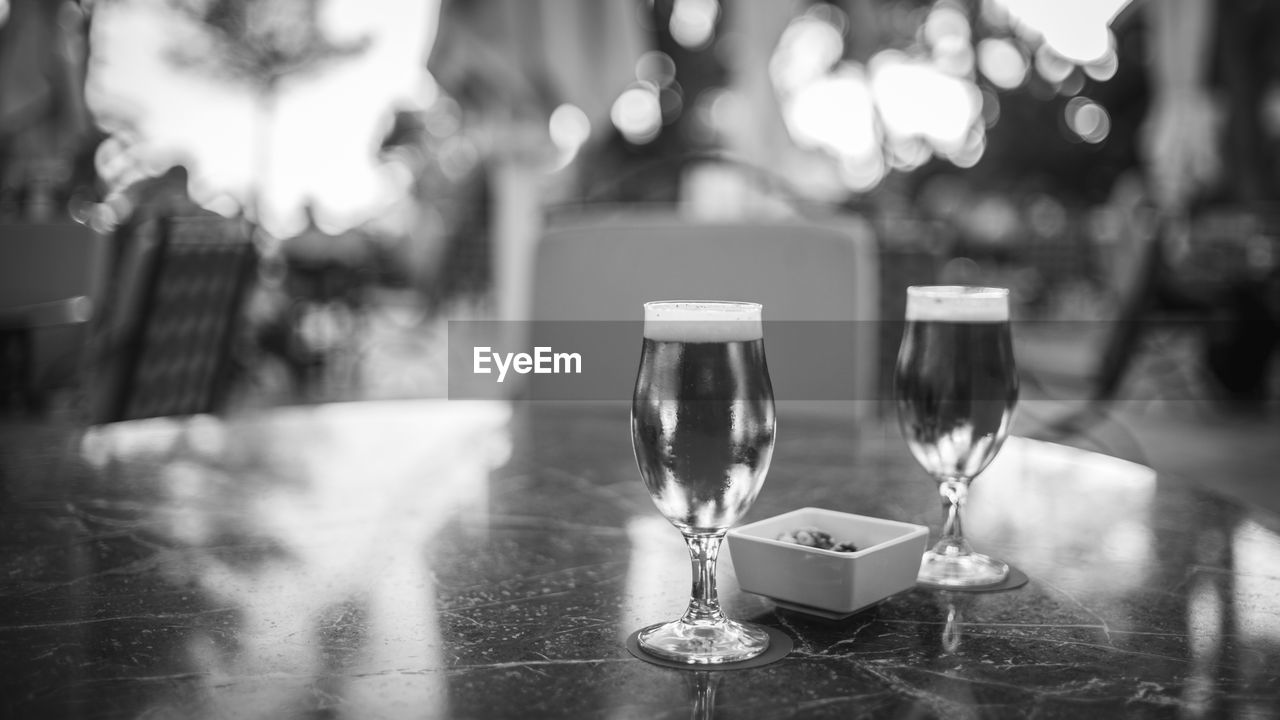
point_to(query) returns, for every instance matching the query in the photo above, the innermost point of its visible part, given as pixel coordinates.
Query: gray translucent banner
(817, 360)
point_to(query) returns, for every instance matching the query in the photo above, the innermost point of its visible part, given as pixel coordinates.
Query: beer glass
(702, 427)
(956, 386)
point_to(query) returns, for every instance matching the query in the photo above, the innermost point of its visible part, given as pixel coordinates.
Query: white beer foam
(957, 303)
(702, 321)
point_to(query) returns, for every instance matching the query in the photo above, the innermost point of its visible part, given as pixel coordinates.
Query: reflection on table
(445, 559)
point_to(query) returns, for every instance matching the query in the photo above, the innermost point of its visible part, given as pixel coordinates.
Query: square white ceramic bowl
(826, 582)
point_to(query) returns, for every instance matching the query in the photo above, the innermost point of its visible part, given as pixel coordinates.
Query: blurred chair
(50, 280)
(604, 266)
(167, 347)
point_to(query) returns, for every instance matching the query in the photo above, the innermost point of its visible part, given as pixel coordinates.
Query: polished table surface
(429, 559)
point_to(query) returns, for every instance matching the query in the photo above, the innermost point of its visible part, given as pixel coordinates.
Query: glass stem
(704, 604)
(953, 492)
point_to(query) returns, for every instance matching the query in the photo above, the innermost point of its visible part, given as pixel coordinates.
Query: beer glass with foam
(956, 386)
(702, 427)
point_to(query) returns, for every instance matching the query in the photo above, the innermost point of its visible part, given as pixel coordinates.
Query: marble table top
(435, 559)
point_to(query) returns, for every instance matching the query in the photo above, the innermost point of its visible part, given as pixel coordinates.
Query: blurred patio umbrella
(509, 63)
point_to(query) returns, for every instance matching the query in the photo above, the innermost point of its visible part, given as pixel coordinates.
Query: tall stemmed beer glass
(702, 426)
(956, 387)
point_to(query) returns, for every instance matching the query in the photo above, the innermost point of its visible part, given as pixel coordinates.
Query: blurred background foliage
(987, 140)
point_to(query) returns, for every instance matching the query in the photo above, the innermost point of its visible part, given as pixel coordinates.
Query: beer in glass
(702, 426)
(956, 386)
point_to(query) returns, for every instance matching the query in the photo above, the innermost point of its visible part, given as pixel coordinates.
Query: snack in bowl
(815, 538)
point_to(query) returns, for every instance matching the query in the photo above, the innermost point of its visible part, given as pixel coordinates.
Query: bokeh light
(946, 31)
(862, 174)
(917, 100)
(693, 22)
(808, 49)
(970, 150)
(836, 113)
(637, 113)
(1087, 119)
(1053, 67)
(896, 112)
(909, 154)
(1104, 68)
(656, 67)
(946, 23)
(1001, 62)
(569, 128)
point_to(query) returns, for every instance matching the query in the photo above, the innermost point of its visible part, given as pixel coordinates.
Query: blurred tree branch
(260, 42)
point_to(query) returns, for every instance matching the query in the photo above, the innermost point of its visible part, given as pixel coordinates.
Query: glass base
(704, 643)
(961, 569)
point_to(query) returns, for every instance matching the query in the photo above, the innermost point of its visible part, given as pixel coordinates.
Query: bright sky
(326, 129)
